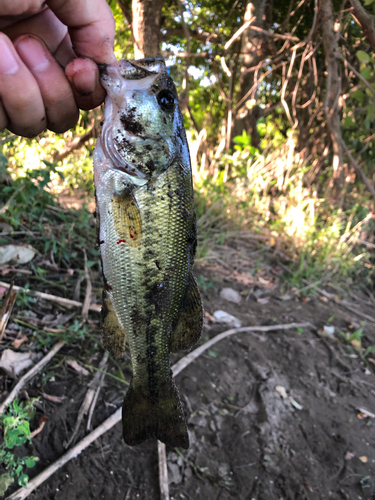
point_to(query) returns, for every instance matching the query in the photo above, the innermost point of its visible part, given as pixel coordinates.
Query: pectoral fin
(113, 334)
(188, 327)
(127, 219)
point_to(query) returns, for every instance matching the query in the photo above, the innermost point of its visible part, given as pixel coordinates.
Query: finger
(45, 26)
(19, 9)
(3, 118)
(91, 27)
(57, 95)
(19, 93)
(83, 75)
(64, 52)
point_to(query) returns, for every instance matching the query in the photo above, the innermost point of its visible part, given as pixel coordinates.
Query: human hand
(36, 44)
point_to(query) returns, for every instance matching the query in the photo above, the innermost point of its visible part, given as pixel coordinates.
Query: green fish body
(147, 237)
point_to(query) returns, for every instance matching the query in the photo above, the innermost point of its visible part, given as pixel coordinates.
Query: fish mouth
(118, 163)
(133, 70)
(118, 79)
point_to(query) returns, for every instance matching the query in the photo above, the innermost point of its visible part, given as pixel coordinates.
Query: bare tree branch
(358, 169)
(77, 143)
(366, 21)
(126, 8)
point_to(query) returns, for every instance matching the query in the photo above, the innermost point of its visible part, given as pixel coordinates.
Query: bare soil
(247, 441)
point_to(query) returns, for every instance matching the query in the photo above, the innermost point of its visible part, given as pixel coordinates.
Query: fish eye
(166, 100)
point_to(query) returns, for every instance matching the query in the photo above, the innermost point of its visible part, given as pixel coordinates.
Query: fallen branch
(189, 358)
(346, 304)
(115, 418)
(163, 472)
(87, 402)
(30, 374)
(87, 301)
(6, 310)
(53, 298)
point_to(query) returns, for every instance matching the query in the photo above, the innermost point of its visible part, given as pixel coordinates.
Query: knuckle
(28, 129)
(28, 7)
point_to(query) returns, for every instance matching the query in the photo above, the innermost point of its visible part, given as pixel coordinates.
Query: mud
(247, 441)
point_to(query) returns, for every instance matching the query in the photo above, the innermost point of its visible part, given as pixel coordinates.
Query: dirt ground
(247, 441)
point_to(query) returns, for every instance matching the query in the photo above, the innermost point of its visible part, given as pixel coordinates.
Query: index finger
(91, 27)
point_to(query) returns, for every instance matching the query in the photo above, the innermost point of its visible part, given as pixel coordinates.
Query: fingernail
(84, 82)
(33, 54)
(8, 62)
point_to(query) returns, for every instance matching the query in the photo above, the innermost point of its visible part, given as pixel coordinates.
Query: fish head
(142, 131)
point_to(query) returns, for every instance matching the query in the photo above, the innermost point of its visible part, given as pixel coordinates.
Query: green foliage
(15, 422)
(76, 332)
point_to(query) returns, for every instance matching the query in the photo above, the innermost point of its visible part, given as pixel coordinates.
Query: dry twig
(54, 298)
(86, 303)
(163, 472)
(30, 374)
(6, 310)
(189, 358)
(87, 402)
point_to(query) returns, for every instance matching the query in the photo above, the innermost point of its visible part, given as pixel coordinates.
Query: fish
(146, 231)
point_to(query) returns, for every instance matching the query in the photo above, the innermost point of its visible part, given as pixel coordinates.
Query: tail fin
(164, 420)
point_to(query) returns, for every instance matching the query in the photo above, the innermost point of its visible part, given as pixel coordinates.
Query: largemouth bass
(147, 237)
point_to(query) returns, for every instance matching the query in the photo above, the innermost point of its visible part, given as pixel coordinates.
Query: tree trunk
(253, 50)
(146, 27)
(333, 92)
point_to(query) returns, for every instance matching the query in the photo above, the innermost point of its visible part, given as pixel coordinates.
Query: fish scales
(147, 237)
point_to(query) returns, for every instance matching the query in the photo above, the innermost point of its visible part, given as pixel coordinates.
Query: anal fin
(113, 335)
(188, 326)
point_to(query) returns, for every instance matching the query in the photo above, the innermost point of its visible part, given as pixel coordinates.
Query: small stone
(174, 474)
(231, 295)
(228, 319)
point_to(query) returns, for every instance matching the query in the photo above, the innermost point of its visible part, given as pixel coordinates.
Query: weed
(204, 285)
(16, 427)
(355, 339)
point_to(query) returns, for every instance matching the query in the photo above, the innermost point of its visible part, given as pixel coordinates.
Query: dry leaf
(78, 368)
(308, 486)
(54, 399)
(245, 279)
(267, 283)
(209, 316)
(42, 423)
(13, 363)
(16, 254)
(18, 342)
(363, 459)
(356, 343)
(323, 299)
(285, 297)
(231, 295)
(263, 300)
(372, 360)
